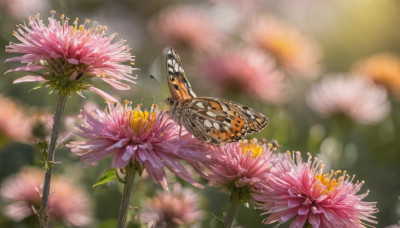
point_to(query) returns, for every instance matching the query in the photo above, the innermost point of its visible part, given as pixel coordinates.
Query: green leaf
(106, 177)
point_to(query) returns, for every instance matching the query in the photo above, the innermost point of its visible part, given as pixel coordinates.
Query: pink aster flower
(67, 56)
(179, 207)
(68, 202)
(247, 70)
(296, 52)
(299, 190)
(355, 97)
(184, 26)
(21, 9)
(240, 165)
(14, 123)
(150, 138)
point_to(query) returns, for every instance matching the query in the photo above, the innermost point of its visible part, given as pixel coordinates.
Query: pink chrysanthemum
(300, 190)
(14, 123)
(67, 56)
(294, 51)
(184, 26)
(245, 69)
(67, 202)
(238, 166)
(179, 207)
(150, 138)
(355, 97)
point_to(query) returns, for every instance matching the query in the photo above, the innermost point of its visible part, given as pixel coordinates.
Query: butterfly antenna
(154, 78)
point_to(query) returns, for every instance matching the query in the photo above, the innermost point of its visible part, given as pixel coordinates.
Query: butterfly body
(213, 120)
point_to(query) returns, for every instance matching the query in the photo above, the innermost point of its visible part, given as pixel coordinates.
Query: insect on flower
(213, 120)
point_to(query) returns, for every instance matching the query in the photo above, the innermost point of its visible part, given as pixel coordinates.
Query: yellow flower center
(383, 69)
(284, 48)
(251, 147)
(329, 180)
(138, 119)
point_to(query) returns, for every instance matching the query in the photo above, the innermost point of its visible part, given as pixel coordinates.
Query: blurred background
(326, 73)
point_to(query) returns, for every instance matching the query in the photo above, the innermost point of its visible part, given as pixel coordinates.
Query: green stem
(126, 197)
(61, 102)
(232, 211)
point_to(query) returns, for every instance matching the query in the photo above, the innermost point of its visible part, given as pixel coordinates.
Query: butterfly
(213, 120)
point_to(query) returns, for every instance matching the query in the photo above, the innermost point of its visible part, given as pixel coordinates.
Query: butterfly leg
(180, 132)
(180, 127)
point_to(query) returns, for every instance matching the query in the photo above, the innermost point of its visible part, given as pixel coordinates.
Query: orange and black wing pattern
(178, 84)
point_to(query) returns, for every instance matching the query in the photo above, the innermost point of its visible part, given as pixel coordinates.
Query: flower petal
(26, 68)
(116, 84)
(29, 78)
(103, 94)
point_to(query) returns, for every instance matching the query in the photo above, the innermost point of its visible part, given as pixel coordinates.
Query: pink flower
(21, 9)
(67, 56)
(14, 123)
(247, 70)
(243, 6)
(240, 165)
(179, 207)
(67, 202)
(299, 54)
(299, 190)
(42, 122)
(356, 97)
(150, 138)
(184, 26)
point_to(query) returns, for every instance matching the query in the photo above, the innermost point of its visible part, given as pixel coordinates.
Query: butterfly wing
(219, 121)
(178, 84)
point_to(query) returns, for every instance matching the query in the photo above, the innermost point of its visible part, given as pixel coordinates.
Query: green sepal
(106, 177)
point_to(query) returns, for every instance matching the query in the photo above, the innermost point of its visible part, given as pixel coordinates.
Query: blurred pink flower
(355, 97)
(20, 9)
(42, 122)
(71, 55)
(14, 123)
(242, 5)
(179, 207)
(67, 202)
(382, 68)
(296, 52)
(247, 70)
(240, 165)
(299, 190)
(185, 26)
(129, 134)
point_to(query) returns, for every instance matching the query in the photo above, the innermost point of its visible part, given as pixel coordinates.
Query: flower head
(67, 56)
(238, 166)
(245, 69)
(185, 26)
(292, 49)
(14, 123)
(149, 137)
(355, 97)
(67, 202)
(179, 207)
(382, 68)
(300, 190)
